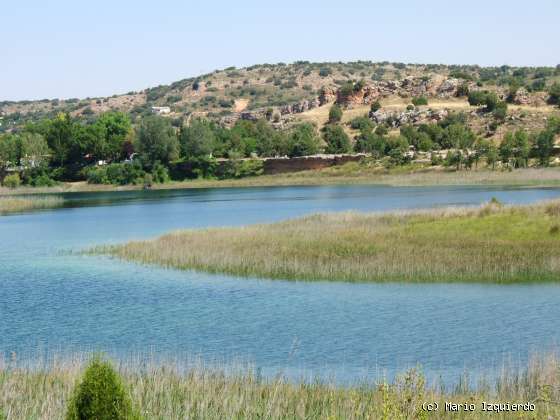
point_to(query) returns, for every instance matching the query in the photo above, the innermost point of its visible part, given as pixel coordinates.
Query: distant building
(161, 110)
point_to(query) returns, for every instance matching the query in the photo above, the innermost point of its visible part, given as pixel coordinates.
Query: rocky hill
(277, 91)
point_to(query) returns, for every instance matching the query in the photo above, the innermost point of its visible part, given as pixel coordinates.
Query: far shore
(348, 174)
(488, 244)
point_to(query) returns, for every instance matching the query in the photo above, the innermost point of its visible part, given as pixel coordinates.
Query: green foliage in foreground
(492, 243)
(164, 392)
(100, 395)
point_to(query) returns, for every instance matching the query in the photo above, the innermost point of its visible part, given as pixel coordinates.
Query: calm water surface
(53, 301)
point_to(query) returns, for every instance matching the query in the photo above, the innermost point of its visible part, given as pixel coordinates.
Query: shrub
(160, 174)
(463, 90)
(337, 140)
(362, 124)
(335, 114)
(100, 395)
(554, 94)
(235, 168)
(325, 71)
(420, 100)
(12, 181)
(117, 174)
(376, 106)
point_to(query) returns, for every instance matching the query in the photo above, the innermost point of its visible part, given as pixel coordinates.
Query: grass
(166, 391)
(492, 243)
(12, 204)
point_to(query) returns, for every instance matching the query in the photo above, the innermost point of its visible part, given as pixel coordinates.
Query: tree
(335, 114)
(116, 128)
(34, 150)
(303, 140)
(336, 139)
(100, 395)
(491, 156)
(59, 135)
(481, 148)
(371, 143)
(544, 144)
(9, 151)
(198, 139)
(156, 141)
(521, 149)
(554, 94)
(506, 149)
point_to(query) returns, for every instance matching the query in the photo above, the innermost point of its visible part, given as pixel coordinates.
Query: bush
(117, 174)
(12, 181)
(362, 124)
(420, 100)
(235, 168)
(554, 94)
(376, 106)
(325, 71)
(335, 114)
(100, 395)
(337, 140)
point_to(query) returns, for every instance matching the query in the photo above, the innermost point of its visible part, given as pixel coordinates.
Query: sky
(69, 48)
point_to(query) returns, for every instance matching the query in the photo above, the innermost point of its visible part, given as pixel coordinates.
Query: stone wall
(285, 165)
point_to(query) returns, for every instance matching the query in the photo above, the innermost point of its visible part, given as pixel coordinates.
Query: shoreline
(349, 174)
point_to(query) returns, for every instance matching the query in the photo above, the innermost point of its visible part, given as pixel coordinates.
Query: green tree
(303, 140)
(336, 139)
(156, 141)
(544, 143)
(335, 114)
(117, 128)
(521, 149)
(100, 395)
(198, 139)
(34, 150)
(492, 155)
(506, 149)
(554, 93)
(9, 151)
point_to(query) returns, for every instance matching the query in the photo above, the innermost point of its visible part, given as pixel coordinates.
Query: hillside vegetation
(225, 124)
(225, 92)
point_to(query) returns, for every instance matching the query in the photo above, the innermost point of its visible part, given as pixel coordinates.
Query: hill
(282, 90)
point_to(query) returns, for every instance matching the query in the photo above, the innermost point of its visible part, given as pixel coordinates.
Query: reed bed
(19, 204)
(491, 243)
(164, 391)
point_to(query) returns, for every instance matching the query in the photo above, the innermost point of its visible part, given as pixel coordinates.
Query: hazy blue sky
(64, 48)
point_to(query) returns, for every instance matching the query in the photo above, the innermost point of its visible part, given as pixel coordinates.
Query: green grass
(166, 391)
(13, 204)
(492, 243)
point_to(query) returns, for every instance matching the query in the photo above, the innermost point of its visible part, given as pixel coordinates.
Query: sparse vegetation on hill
(340, 111)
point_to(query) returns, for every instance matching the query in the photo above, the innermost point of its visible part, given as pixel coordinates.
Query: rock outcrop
(397, 119)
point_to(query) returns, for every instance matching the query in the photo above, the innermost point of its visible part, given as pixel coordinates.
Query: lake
(54, 301)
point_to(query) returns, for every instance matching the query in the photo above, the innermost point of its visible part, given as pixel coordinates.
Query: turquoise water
(52, 301)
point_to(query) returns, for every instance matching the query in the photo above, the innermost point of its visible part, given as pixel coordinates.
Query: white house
(161, 110)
